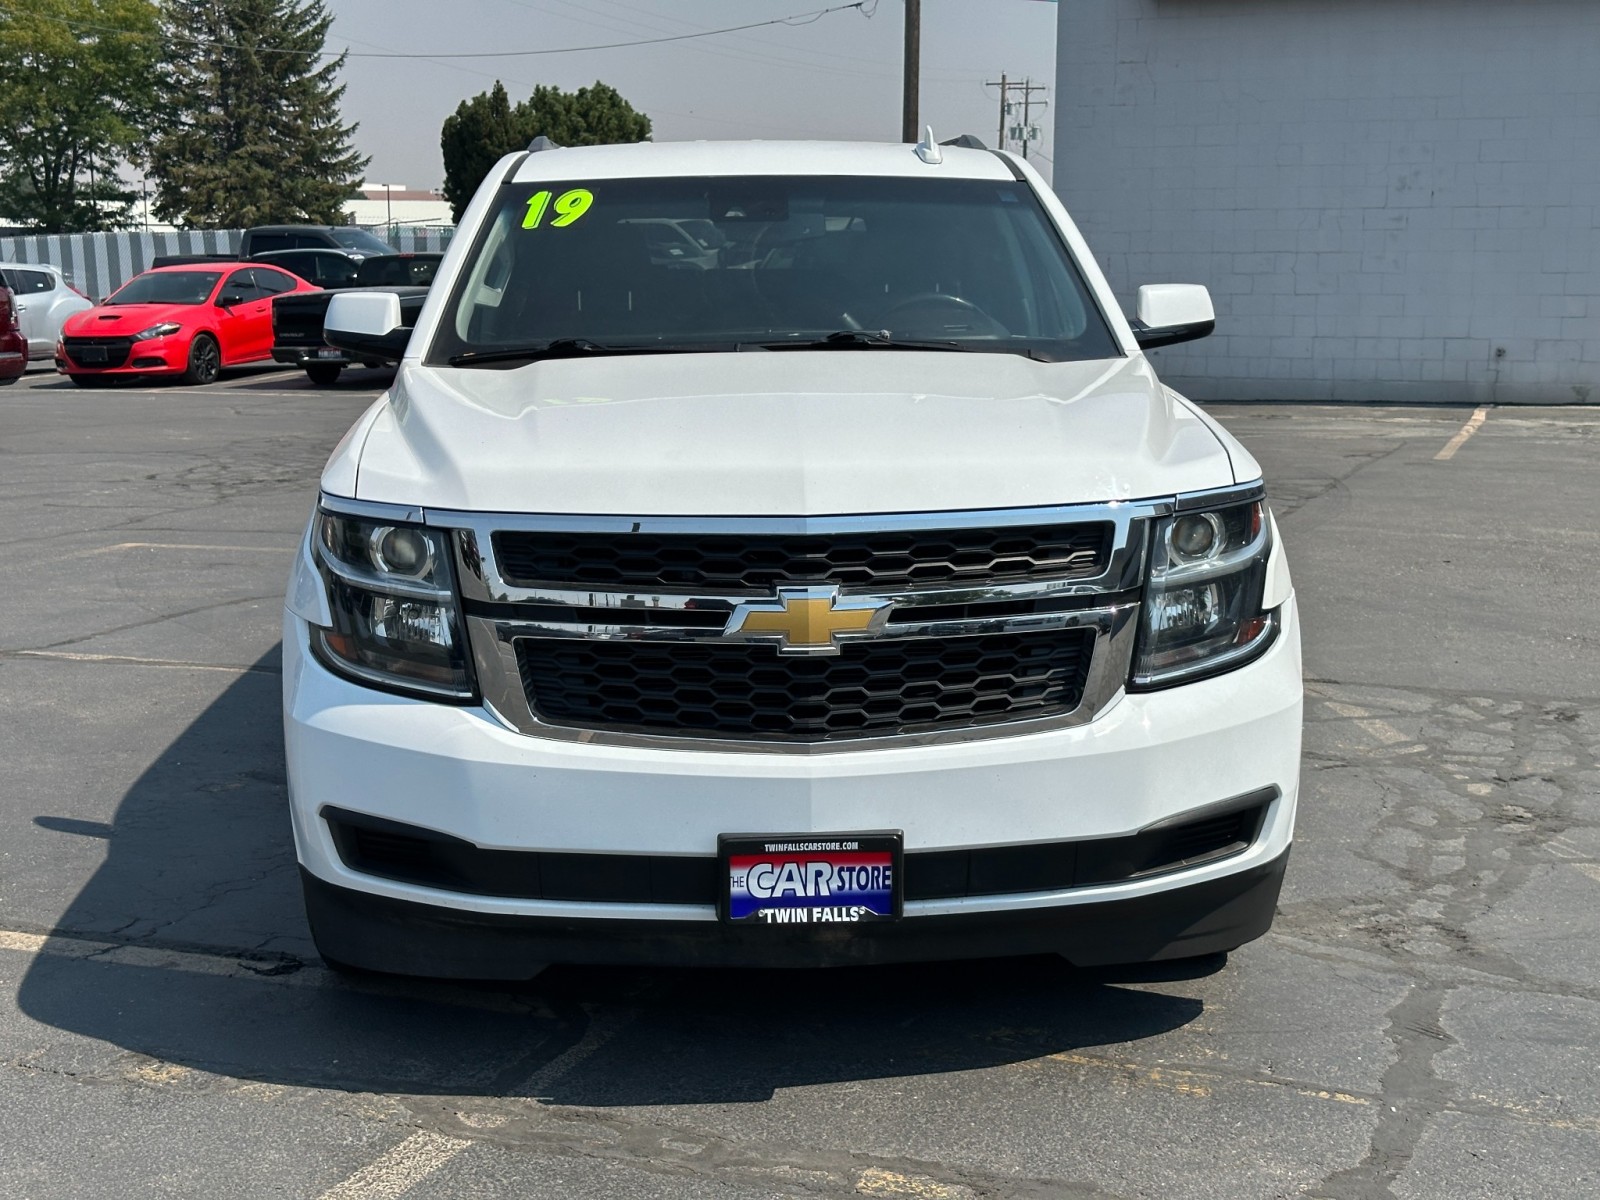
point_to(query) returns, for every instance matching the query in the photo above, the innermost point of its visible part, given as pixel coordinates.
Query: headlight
(155, 331)
(1202, 611)
(396, 622)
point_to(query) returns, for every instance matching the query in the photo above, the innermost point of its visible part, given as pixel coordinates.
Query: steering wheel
(939, 308)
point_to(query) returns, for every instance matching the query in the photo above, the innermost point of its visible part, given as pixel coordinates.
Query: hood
(112, 320)
(791, 433)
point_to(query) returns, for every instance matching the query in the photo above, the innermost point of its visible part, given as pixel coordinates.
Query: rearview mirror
(1169, 313)
(367, 324)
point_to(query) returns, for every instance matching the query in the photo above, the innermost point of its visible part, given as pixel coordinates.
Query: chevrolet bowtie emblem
(807, 620)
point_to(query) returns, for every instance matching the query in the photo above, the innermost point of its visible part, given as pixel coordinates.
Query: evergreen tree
(254, 134)
(486, 127)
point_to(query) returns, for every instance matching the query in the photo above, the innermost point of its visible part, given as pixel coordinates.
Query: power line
(798, 19)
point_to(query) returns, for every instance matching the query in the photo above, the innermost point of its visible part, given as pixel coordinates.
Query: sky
(837, 77)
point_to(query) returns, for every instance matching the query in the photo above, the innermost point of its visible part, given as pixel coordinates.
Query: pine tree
(254, 132)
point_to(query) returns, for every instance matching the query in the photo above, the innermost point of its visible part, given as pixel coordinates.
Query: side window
(272, 283)
(335, 271)
(260, 243)
(310, 241)
(34, 282)
(242, 285)
(295, 264)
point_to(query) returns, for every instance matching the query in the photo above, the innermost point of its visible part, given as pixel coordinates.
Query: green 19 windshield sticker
(569, 207)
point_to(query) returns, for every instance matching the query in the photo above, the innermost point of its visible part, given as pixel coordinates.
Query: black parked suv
(353, 241)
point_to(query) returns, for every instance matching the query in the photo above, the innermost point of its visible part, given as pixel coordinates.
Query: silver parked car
(45, 299)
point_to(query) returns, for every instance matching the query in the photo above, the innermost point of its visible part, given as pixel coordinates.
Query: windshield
(361, 241)
(723, 262)
(398, 269)
(167, 287)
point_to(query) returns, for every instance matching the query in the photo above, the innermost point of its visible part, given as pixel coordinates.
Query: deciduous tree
(77, 86)
(253, 133)
(488, 126)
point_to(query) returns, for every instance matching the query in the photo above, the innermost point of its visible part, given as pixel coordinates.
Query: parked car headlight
(155, 331)
(396, 620)
(1202, 611)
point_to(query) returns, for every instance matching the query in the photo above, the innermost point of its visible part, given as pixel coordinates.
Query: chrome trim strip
(1237, 493)
(372, 509)
(482, 580)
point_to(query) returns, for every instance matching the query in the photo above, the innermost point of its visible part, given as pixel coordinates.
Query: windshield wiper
(576, 347)
(863, 339)
(573, 347)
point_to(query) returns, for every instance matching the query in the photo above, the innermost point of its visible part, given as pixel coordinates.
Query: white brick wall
(1389, 199)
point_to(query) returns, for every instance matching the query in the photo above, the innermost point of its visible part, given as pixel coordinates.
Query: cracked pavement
(1423, 1020)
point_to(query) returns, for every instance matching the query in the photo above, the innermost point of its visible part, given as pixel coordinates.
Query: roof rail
(542, 143)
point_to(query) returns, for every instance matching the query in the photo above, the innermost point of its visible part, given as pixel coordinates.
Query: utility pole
(1028, 88)
(1025, 132)
(913, 74)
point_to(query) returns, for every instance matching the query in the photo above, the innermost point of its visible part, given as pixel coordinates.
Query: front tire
(205, 360)
(323, 374)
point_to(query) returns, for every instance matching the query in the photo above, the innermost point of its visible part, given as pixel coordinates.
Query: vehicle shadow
(188, 945)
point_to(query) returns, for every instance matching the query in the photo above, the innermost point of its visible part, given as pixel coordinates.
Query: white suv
(857, 576)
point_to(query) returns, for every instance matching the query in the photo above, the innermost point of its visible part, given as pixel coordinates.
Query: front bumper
(159, 356)
(409, 938)
(457, 770)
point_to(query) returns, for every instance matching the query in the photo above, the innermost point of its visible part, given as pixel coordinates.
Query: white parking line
(1363, 719)
(271, 972)
(130, 660)
(393, 1173)
(1460, 439)
(185, 546)
(400, 1169)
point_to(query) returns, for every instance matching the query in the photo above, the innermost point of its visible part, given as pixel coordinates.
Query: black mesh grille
(742, 691)
(879, 560)
(98, 351)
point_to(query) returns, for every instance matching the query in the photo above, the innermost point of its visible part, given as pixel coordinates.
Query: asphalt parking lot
(1423, 1021)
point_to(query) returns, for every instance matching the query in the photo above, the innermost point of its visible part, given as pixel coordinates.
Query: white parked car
(45, 299)
(868, 600)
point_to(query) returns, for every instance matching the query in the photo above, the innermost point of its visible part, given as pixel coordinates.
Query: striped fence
(99, 263)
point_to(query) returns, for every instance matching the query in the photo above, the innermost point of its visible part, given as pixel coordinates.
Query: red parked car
(13, 346)
(186, 322)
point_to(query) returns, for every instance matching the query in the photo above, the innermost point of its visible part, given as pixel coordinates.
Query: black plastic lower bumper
(381, 934)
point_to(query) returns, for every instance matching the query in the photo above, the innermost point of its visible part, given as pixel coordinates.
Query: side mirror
(1169, 313)
(229, 299)
(367, 324)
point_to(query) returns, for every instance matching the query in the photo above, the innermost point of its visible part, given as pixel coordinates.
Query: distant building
(1389, 200)
(396, 204)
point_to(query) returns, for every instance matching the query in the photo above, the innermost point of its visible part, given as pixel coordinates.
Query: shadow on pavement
(198, 894)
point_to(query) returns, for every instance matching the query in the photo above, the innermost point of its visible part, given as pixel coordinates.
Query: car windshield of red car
(168, 287)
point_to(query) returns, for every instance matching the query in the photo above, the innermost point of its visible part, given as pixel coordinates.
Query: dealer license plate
(91, 354)
(810, 878)
(330, 352)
